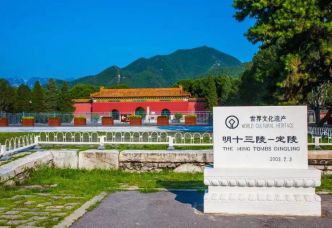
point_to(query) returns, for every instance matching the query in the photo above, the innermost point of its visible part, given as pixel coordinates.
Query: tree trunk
(325, 118)
(317, 114)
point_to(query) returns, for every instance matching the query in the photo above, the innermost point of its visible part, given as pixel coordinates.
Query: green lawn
(9, 135)
(90, 182)
(326, 185)
(125, 147)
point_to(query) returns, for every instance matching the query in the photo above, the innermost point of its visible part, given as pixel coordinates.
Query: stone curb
(162, 189)
(324, 193)
(70, 219)
(21, 165)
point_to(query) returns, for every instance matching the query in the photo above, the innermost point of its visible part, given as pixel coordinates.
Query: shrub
(95, 117)
(80, 117)
(28, 118)
(178, 116)
(135, 117)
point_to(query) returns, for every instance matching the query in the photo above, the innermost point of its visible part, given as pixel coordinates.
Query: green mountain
(166, 70)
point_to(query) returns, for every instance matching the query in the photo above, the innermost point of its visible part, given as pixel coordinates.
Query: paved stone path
(36, 210)
(183, 209)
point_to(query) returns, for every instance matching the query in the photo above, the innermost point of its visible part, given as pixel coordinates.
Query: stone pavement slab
(184, 209)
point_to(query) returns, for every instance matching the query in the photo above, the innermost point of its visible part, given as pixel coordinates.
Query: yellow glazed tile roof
(141, 92)
(82, 100)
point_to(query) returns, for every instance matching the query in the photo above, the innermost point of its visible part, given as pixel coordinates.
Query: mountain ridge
(157, 71)
(166, 70)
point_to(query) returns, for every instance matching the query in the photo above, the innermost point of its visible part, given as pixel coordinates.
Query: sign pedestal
(261, 163)
(262, 191)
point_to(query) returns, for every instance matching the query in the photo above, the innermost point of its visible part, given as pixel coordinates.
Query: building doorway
(140, 112)
(115, 114)
(165, 112)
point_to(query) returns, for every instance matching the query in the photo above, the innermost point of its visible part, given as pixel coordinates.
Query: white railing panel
(316, 137)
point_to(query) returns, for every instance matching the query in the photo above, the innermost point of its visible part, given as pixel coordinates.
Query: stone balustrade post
(170, 143)
(316, 141)
(101, 142)
(2, 149)
(37, 146)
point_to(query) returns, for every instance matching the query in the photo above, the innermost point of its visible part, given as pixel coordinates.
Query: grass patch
(92, 207)
(124, 147)
(311, 147)
(326, 184)
(92, 182)
(74, 147)
(9, 135)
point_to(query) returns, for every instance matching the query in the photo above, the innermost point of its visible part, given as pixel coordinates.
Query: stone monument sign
(261, 163)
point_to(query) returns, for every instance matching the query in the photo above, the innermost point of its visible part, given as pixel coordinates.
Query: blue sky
(73, 38)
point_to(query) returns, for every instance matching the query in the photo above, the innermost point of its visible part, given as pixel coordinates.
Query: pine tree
(7, 97)
(37, 98)
(51, 96)
(82, 91)
(65, 103)
(211, 95)
(23, 99)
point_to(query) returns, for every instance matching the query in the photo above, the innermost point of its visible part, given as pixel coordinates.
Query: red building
(147, 102)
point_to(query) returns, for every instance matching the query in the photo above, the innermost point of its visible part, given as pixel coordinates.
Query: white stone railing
(152, 138)
(17, 144)
(317, 137)
(320, 131)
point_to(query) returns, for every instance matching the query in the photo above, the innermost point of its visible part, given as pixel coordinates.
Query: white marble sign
(261, 163)
(260, 137)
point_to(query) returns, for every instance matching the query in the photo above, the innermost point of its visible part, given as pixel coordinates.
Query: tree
(51, 96)
(258, 84)
(319, 97)
(223, 88)
(23, 99)
(211, 93)
(37, 98)
(302, 33)
(82, 91)
(65, 103)
(119, 86)
(227, 90)
(7, 97)
(328, 100)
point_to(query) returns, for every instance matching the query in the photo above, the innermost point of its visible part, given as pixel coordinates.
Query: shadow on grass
(186, 192)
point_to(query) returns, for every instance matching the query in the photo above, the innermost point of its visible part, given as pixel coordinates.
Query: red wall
(82, 107)
(130, 107)
(196, 106)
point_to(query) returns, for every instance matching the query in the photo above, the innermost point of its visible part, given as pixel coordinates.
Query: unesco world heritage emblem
(232, 122)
